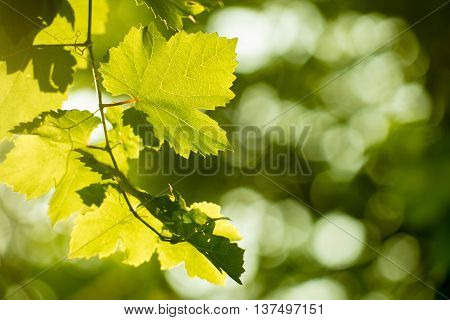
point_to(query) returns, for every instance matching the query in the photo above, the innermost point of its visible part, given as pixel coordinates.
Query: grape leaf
(197, 228)
(53, 67)
(195, 263)
(172, 81)
(31, 86)
(113, 228)
(43, 158)
(172, 12)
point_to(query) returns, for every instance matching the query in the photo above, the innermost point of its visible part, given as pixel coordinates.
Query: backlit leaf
(44, 158)
(112, 228)
(172, 12)
(172, 81)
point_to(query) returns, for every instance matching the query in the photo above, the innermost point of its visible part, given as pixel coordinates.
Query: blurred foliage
(378, 148)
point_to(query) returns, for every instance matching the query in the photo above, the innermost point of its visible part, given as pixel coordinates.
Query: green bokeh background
(371, 221)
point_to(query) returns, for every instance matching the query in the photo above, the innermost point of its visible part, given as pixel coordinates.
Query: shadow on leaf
(20, 22)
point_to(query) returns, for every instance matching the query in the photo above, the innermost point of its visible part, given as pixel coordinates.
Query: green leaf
(172, 12)
(204, 260)
(198, 228)
(195, 263)
(37, 78)
(172, 81)
(43, 158)
(69, 127)
(112, 228)
(26, 23)
(205, 255)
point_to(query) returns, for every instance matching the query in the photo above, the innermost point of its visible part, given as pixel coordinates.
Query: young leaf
(172, 81)
(172, 12)
(112, 228)
(43, 158)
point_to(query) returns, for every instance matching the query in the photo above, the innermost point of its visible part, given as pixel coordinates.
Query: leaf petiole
(119, 103)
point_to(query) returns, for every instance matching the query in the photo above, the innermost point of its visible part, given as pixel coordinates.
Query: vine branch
(102, 106)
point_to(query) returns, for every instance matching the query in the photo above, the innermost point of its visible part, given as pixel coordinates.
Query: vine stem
(102, 106)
